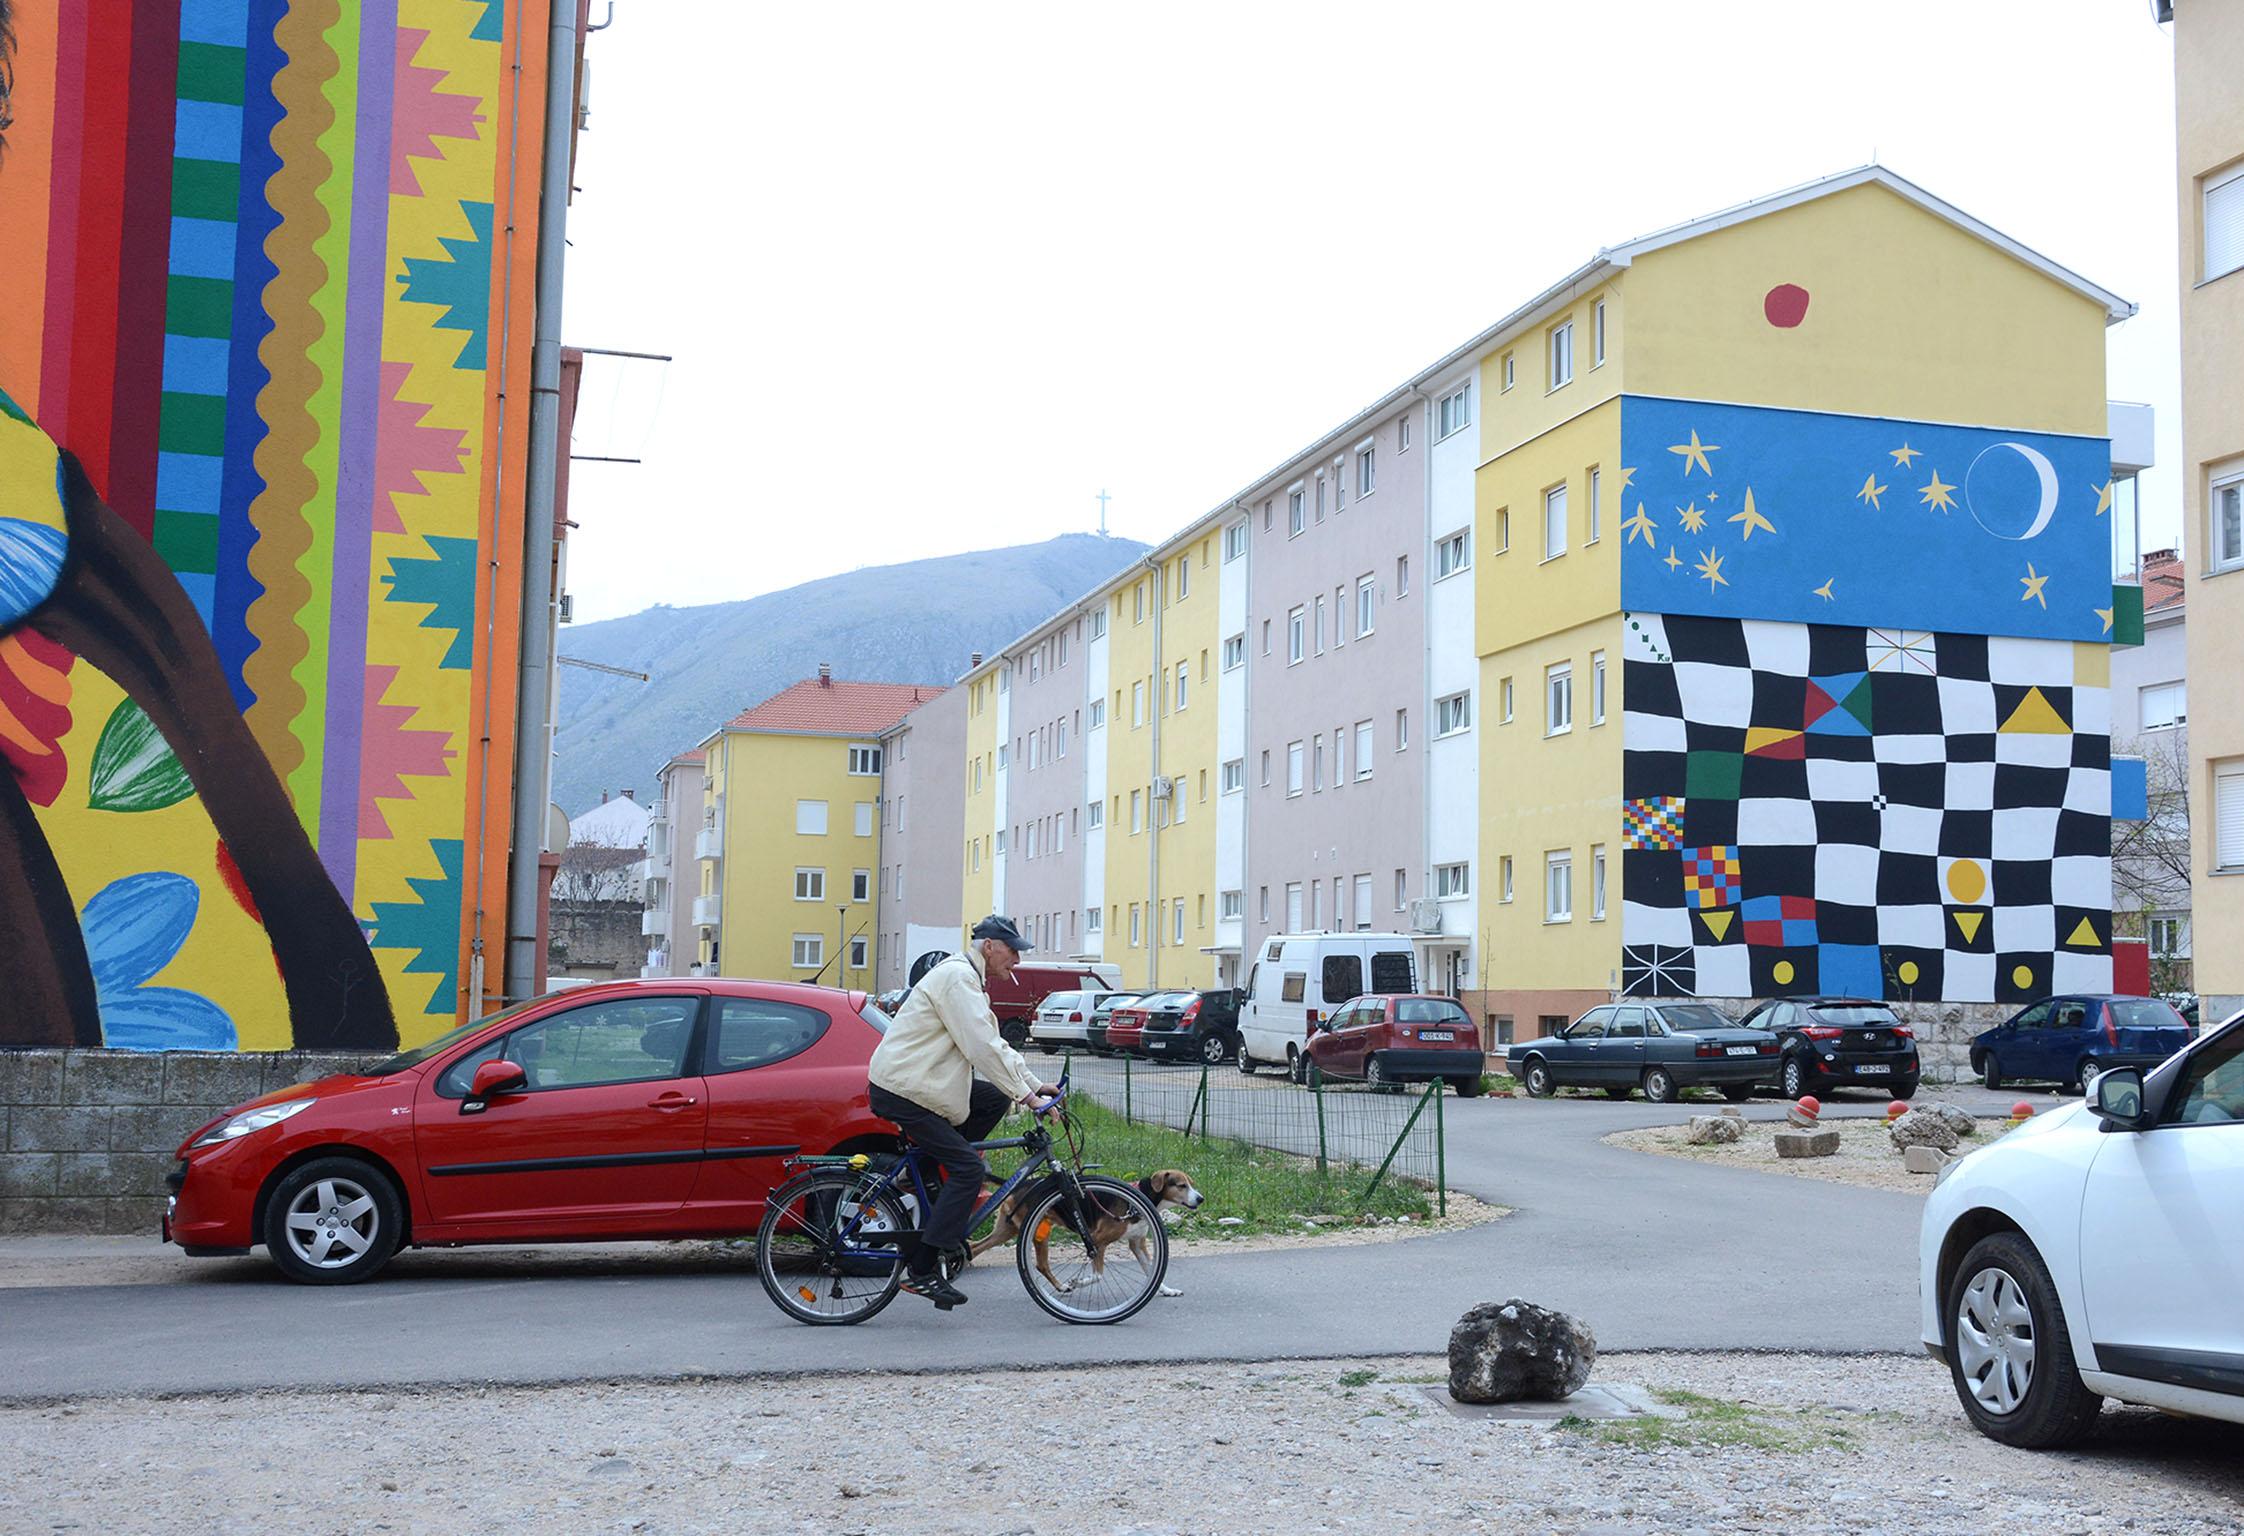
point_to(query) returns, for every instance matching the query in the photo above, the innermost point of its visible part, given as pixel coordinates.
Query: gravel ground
(1866, 1154)
(1763, 1443)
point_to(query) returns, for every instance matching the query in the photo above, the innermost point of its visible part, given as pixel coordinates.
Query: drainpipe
(1159, 702)
(1426, 657)
(533, 744)
(1246, 740)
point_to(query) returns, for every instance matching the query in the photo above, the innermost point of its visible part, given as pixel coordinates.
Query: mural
(250, 527)
(1890, 813)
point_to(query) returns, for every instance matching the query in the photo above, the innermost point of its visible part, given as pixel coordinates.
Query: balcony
(707, 910)
(654, 923)
(709, 843)
(656, 864)
(653, 970)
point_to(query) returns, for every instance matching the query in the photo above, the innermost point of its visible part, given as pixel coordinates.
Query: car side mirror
(2116, 1098)
(492, 1079)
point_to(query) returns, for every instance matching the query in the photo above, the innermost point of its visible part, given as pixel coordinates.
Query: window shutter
(2224, 227)
(2228, 818)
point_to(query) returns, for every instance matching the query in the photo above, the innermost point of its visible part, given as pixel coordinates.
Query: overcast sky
(935, 275)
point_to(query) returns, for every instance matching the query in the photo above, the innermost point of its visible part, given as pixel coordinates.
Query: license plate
(1869, 1071)
(1744, 1050)
(1437, 1034)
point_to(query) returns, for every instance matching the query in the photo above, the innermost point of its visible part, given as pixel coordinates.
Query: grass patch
(1268, 1191)
(1498, 1082)
(1716, 1421)
(1358, 1378)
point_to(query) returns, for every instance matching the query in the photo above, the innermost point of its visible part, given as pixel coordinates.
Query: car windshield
(2144, 1013)
(1861, 1015)
(1158, 1001)
(1118, 1000)
(1688, 1018)
(1060, 1002)
(442, 1043)
(1419, 1010)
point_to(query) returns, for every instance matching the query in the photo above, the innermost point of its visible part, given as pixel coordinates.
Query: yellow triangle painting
(1969, 922)
(2085, 936)
(2036, 716)
(1718, 924)
(1760, 737)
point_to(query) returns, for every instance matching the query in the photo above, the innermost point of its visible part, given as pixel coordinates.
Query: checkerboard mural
(1887, 813)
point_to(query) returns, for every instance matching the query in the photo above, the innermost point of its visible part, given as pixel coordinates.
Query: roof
(829, 707)
(2164, 583)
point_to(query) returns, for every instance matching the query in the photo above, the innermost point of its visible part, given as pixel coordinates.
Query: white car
(2098, 1251)
(1063, 1019)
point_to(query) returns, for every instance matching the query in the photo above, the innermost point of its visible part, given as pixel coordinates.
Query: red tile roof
(2163, 582)
(690, 755)
(818, 707)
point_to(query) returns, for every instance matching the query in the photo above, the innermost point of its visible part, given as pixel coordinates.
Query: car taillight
(1191, 1011)
(1075, 1018)
(1904, 1032)
(1707, 1048)
(1822, 1032)
(1768, 1047)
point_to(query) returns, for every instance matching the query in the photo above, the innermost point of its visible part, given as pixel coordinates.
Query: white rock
(1710, 1129)
(1918, 1158)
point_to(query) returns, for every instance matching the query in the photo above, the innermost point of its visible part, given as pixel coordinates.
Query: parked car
(1662, 1048)
(1387, 1041)
(2066, 1040)
(632, 1109)
(1016, 998)
(1125, 1025)
(1063, 1017)
(2095, 1252)
(1102, 1014)
(1204, 1028)
(1838, 1042)
(1301, 978)
(889, 1002)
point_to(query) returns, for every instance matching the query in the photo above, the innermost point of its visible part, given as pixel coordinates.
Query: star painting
(1639, 526)
(1935, 495)
(1710, 567)
(1870, 492)
(1695, 452)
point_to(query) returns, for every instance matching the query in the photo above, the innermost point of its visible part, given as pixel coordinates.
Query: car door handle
(671, 1101)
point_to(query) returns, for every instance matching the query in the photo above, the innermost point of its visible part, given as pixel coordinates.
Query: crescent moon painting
(1999, 491)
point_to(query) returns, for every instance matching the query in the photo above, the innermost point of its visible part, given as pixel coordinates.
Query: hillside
(916, 622)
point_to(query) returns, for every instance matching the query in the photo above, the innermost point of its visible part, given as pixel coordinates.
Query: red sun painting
(1786, 305)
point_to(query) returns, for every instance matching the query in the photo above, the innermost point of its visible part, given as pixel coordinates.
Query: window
(1597, 882)
(810, 818)
(1453, 553)
(1234, 541)
(2224, 223)
(1137, 811)
(1365, 605)
(1554, 521)
(635, 1041)
(1597, 333)
(1597, 506)
(1504, 878)
(1092, 917)
(2226, 506)
(864, 826)
(1234, 775)
(1137, 704)
(1510, 371)
(1293, 925)
(1098, 622)
(1095, 814)
(2165, 705)
(1316, 895)
(1558, 699)
(1098, 713)
(864, 761)
(1562, 354)
(861, 885)
(1316, 762)
(1234, 652)
(1266, 767)
(1294, 763)
(899, 813)
(2169, 936)
(1203, 786)
(1402, 729)
(1558, 886)
(1402, 434)
(809, 951)
(1004, 755)
(1184, 577)
(857, 954)
(1320, 512)
(1452, 881)
(1262, 899)
(1504, 702)
(1366, 474)
(1363, 750)
(1134, 939)
(2228, 814)
(1184, 676)
(1402, 889)
(1453, 714)
(1296, 635)
(1294, 523)
(974, 853)
(1597, 687)
(1360, 888)
(1402, 575)
(1059, 738)
(1455, 411)
(1059, 649)
(1231, 906)
(1176, 931)
(1320, 624)
(1140, 619)
(1001, 842)
(752, 1032)
(810, 885)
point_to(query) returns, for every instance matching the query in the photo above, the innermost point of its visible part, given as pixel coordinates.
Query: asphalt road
(1654, 1252)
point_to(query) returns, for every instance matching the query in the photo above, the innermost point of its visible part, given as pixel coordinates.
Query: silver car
(1063, 1018)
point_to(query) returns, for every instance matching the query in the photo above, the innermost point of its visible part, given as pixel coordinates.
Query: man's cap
(1002, 929)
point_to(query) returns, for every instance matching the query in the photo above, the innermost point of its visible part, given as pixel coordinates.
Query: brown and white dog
(1170, 1187)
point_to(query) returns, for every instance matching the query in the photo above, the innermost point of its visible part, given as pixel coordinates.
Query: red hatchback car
(637, 1109)
(1387, 1040)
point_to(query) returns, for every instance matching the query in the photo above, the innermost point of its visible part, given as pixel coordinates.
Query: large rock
(1513, 1351)
(1824, 1143)
(1923, 1128)
(1955, 1118)
(1708, 1129)
(1918, 1158)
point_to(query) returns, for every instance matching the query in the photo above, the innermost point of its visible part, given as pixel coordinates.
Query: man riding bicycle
(922, 1078)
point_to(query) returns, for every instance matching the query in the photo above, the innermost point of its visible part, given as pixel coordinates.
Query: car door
(1574, 1062)
(1367, 1021)
(1328, 1042)
(2023, 1041)
(606, 1135)
(2161, 1239)
(773, 1091)
(1621, 1054)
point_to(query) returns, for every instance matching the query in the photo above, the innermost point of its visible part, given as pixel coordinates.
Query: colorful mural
(252, 534)
(1884, 813)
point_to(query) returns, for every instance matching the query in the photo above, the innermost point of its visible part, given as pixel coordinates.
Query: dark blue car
(2065, 1040)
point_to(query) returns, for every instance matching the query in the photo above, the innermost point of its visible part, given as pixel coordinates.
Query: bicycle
(830, 1246)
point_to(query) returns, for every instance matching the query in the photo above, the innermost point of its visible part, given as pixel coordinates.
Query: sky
(932, 277)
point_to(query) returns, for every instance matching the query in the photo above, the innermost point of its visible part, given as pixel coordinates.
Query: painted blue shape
(1960, 535)
(429, 926)
(447, 584)
(1836, 721)
(189, 482)
(202, 590)
(133, 928)
(202, 248)
(207, 130)
(165, 1019)
(2130, 789)
(1849, 969)
(460, 281)
(490, 27)
(196, 365)
(31, 556)
(224, 23)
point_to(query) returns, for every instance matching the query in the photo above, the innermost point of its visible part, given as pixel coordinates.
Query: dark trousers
(945, 1226)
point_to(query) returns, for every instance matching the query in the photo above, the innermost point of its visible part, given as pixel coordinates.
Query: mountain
(912, 623)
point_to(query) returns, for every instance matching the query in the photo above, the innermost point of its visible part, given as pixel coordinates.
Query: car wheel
(1212, 1048)
(1794, 1078)
(1297, 1066)
(1375, 1076)
(1246, 1062)
(1990, 1072)
(333, 1221)
(2083, 1069)
(1905, 1091)
(1659, 1085)
(1536, 1078)
(2009, 1352)
(1737, 1093)
(1470, 1087)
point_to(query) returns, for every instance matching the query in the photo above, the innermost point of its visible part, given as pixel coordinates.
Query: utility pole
(1103, 499)
(841, 940)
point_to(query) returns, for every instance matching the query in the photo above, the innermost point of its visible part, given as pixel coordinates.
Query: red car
(1400, 1038)
(1125, 1026)
(635, 1109)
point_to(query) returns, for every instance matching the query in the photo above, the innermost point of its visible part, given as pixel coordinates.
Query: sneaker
(936, 1289)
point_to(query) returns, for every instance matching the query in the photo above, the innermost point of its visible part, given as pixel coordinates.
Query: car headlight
(252, 1120)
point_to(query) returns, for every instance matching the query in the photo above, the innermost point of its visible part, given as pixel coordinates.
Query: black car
(1662, 1048)
(1190, 1026)
(1838, 1042)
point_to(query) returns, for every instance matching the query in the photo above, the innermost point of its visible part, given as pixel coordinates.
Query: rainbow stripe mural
(269, 270)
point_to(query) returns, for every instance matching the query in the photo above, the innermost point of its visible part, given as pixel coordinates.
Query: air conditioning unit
(1425, 915)
(1163, 788)
(568, 612)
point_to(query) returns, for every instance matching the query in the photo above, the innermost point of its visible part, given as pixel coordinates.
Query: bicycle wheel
(812, 1249)
(1093, 1276)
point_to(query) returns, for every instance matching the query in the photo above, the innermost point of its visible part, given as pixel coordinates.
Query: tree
(2151, 857)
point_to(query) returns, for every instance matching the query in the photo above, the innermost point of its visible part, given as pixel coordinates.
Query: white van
(1297, 981)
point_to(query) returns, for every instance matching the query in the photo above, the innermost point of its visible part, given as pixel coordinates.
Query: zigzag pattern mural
(247, 373)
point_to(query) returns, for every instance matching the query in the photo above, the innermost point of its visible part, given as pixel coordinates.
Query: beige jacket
(942, 1036)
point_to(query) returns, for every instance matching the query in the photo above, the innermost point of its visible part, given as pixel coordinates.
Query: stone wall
(597, 940)
(86, 1137)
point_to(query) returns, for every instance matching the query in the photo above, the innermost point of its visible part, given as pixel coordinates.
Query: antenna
(1103, 499)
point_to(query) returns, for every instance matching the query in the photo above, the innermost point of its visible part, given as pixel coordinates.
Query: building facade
(922, 831)
(2152, 857)
(672, 820)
